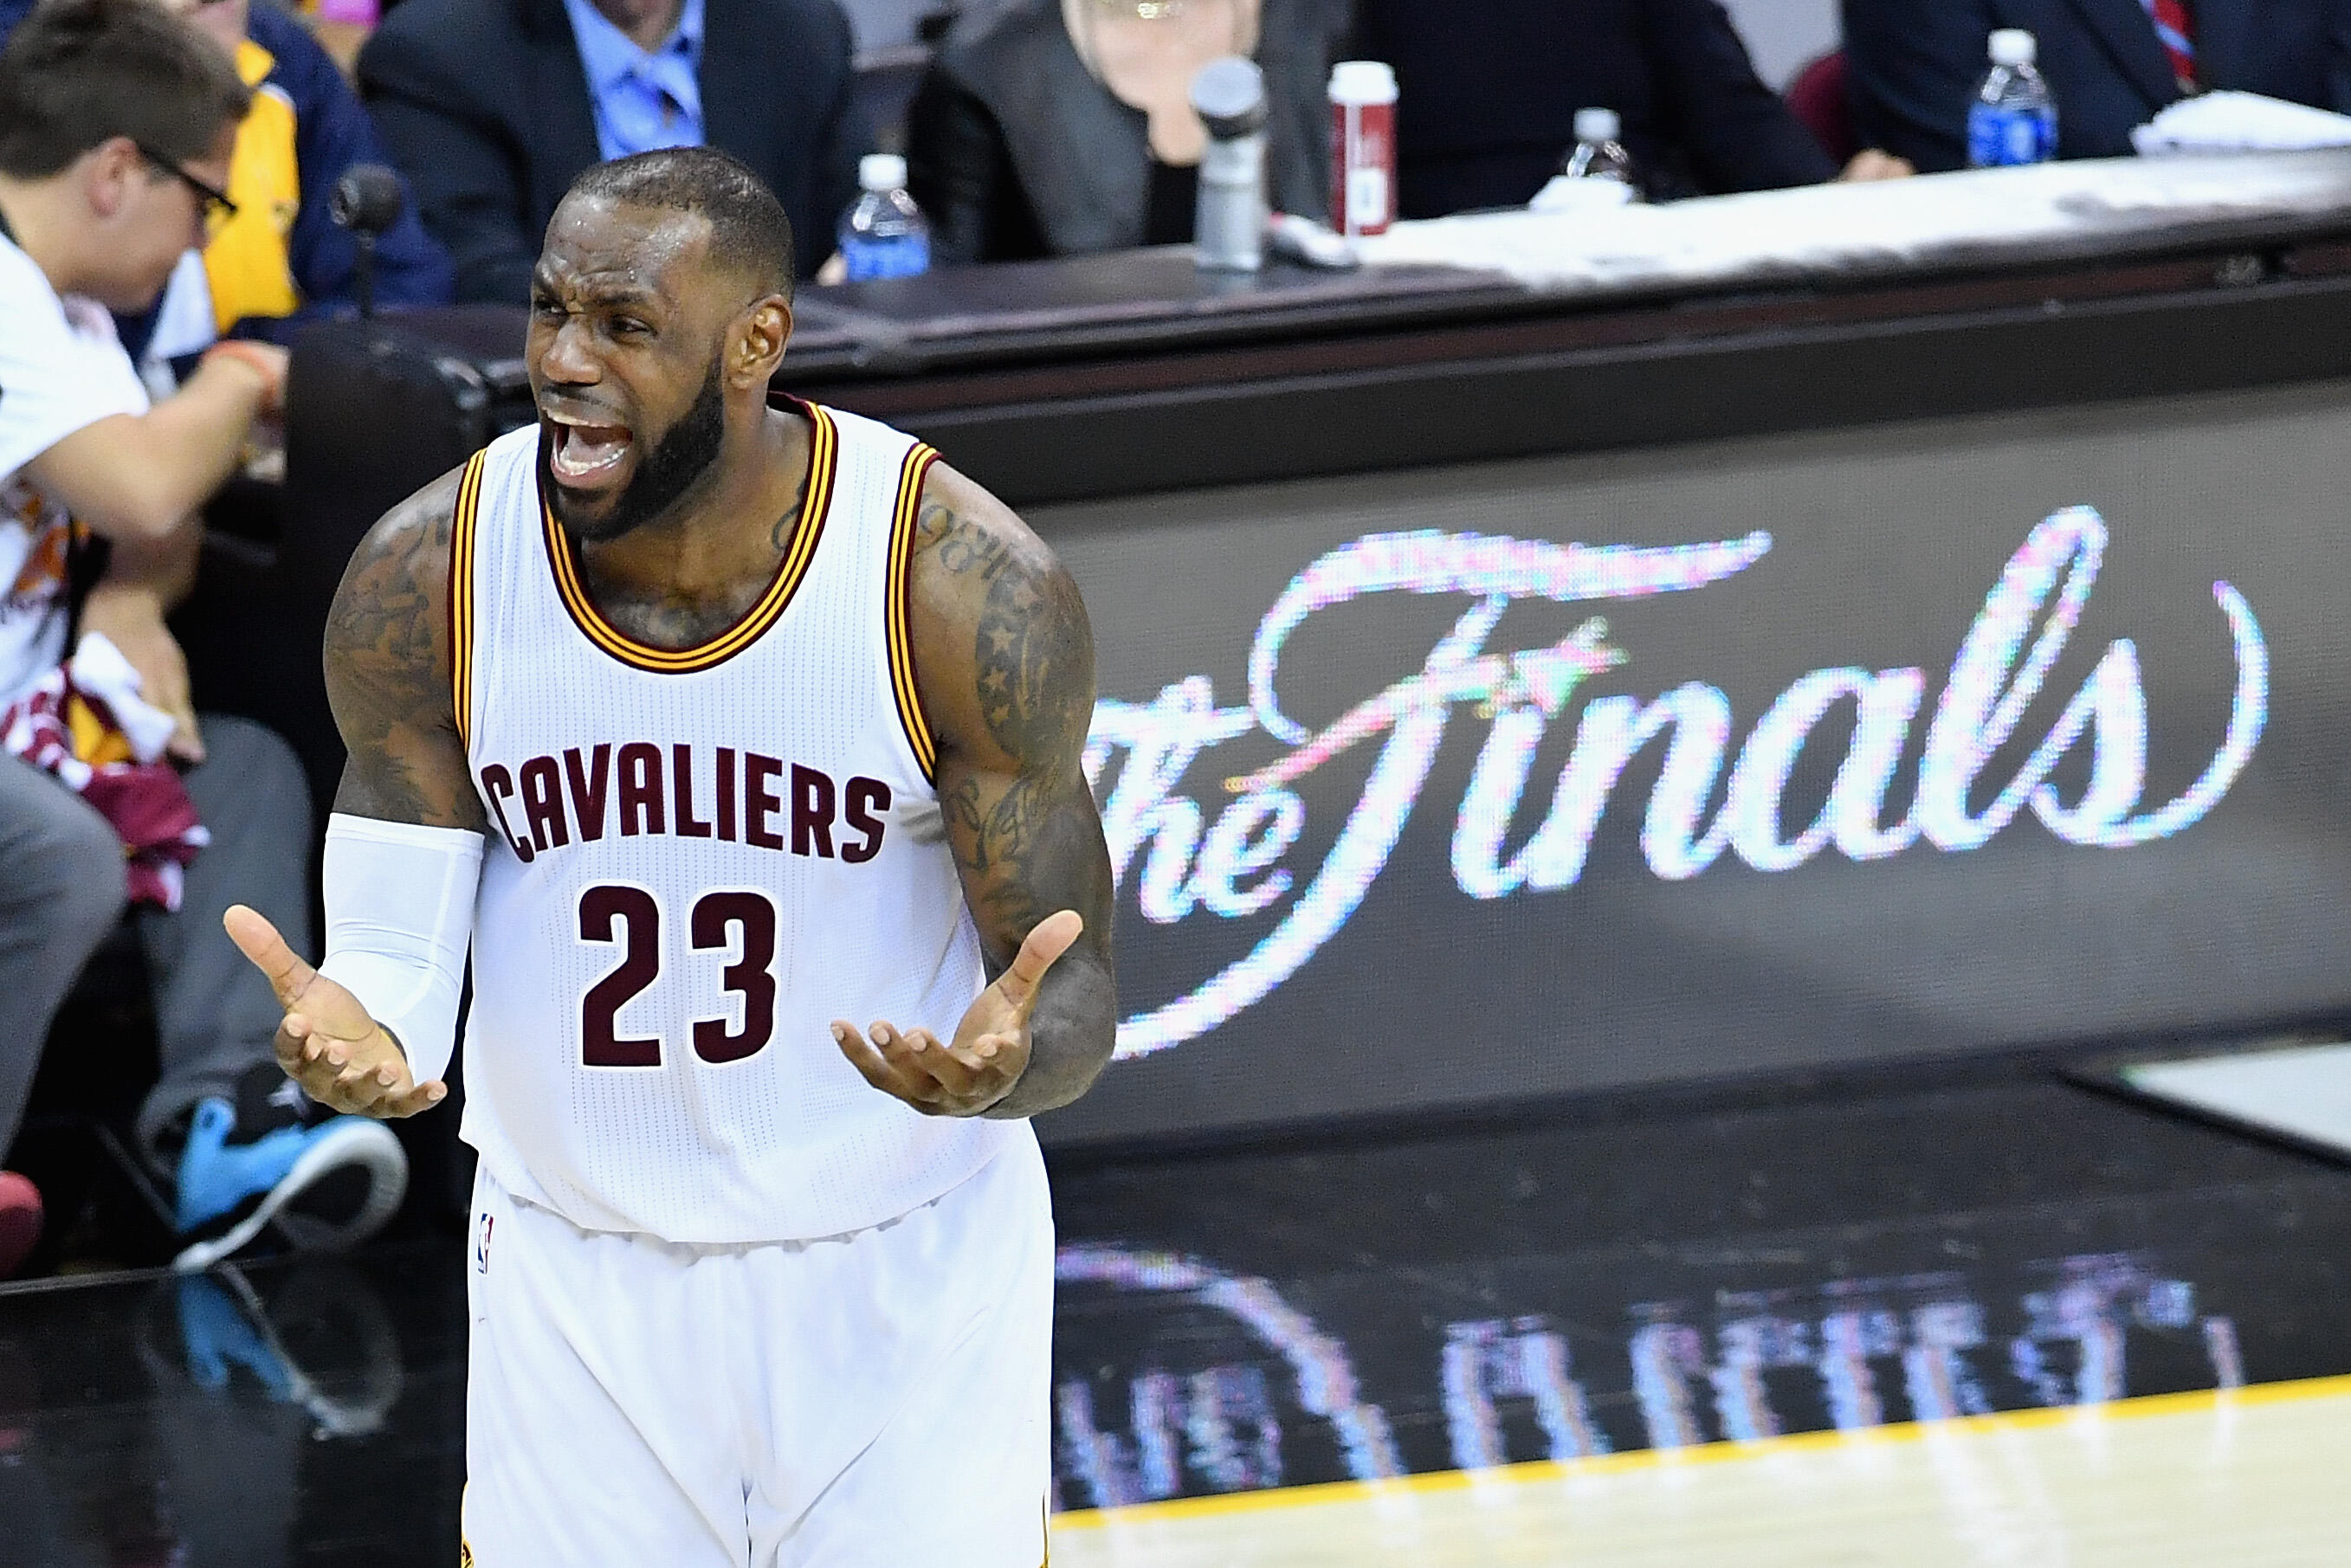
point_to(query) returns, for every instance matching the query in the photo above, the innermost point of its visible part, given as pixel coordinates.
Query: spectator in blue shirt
(494, 107)
(643, 99)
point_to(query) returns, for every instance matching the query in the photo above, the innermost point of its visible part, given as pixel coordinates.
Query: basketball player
(743, 745)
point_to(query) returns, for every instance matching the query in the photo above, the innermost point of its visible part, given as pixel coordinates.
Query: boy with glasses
(272, 257)
(117, 123)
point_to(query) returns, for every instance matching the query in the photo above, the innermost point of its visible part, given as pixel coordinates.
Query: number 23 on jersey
(736, 921)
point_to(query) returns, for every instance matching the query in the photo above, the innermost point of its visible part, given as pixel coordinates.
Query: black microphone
(367, 201)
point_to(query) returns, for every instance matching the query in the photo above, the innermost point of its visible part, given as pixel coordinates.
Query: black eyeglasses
(217, 206)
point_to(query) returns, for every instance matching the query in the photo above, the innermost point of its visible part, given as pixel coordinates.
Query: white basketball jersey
(700, 858)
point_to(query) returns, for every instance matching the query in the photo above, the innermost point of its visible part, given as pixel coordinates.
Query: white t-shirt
(61, 368)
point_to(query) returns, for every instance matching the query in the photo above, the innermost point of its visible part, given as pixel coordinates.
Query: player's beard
(676, 463)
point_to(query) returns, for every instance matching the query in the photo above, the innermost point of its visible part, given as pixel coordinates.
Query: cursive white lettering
(1521, 694)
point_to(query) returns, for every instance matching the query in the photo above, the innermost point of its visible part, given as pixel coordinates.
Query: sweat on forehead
(595, 237)
(746, 227)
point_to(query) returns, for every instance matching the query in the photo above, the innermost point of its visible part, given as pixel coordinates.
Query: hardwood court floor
(2245, 1476)
(1248, 1341)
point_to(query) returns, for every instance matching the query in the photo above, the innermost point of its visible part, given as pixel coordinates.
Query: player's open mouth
(586, 455)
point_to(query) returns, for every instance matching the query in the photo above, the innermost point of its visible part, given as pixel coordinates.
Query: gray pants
(61, 892)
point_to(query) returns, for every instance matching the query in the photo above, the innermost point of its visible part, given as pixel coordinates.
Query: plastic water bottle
(2013, 119)
(1596, 173)
(1598, 154)
(884, 235)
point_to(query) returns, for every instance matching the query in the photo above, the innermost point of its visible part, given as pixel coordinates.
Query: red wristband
(254, 356)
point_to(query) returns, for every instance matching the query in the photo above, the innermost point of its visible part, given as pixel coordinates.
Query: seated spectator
(280, 261)
(492, 107)
(1064, 127)
(1487, 95)
(1915, 64)
(117, 126)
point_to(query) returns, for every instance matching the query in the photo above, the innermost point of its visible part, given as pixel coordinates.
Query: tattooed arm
(1004, 664)
(388, 661)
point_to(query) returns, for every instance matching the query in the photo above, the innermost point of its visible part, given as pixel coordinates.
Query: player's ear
(760, 342)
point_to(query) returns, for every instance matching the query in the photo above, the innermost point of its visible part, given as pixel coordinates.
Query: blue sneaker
(327, 1187)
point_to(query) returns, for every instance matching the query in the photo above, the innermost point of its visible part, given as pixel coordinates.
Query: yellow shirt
(246, 259)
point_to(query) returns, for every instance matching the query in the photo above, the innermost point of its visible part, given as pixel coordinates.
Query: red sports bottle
(1363, 147)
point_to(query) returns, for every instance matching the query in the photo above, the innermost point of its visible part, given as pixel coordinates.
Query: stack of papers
(2240, 122)
(1883, 227)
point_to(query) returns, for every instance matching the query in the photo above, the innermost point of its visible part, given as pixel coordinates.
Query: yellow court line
(1705, 1453)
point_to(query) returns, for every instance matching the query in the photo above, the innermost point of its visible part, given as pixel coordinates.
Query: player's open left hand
(991, 1043)
(341, 1057)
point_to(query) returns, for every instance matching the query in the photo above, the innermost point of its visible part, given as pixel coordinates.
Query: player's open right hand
(341, 1057)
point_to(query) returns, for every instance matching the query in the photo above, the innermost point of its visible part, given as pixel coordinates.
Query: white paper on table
(1587, 195)
(1876, 227)
(2230, 121)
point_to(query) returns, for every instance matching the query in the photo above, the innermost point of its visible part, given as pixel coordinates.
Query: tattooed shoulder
(387, 658)
(1006, 648)
(384, 617)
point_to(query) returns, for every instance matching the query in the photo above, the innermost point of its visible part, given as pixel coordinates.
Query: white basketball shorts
(877, 1400)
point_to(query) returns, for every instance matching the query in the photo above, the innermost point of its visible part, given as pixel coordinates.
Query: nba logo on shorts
(482, 1243)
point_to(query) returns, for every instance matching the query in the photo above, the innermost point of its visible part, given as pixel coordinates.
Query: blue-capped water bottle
(2013, 119)
(884, 235)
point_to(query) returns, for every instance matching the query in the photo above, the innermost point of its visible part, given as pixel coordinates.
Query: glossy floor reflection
(1352, 1310)
(301, 1413)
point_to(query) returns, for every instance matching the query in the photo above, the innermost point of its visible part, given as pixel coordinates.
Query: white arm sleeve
(400, 917)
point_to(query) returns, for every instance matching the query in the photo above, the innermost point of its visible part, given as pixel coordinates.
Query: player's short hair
(748, 229)
(78, 73)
